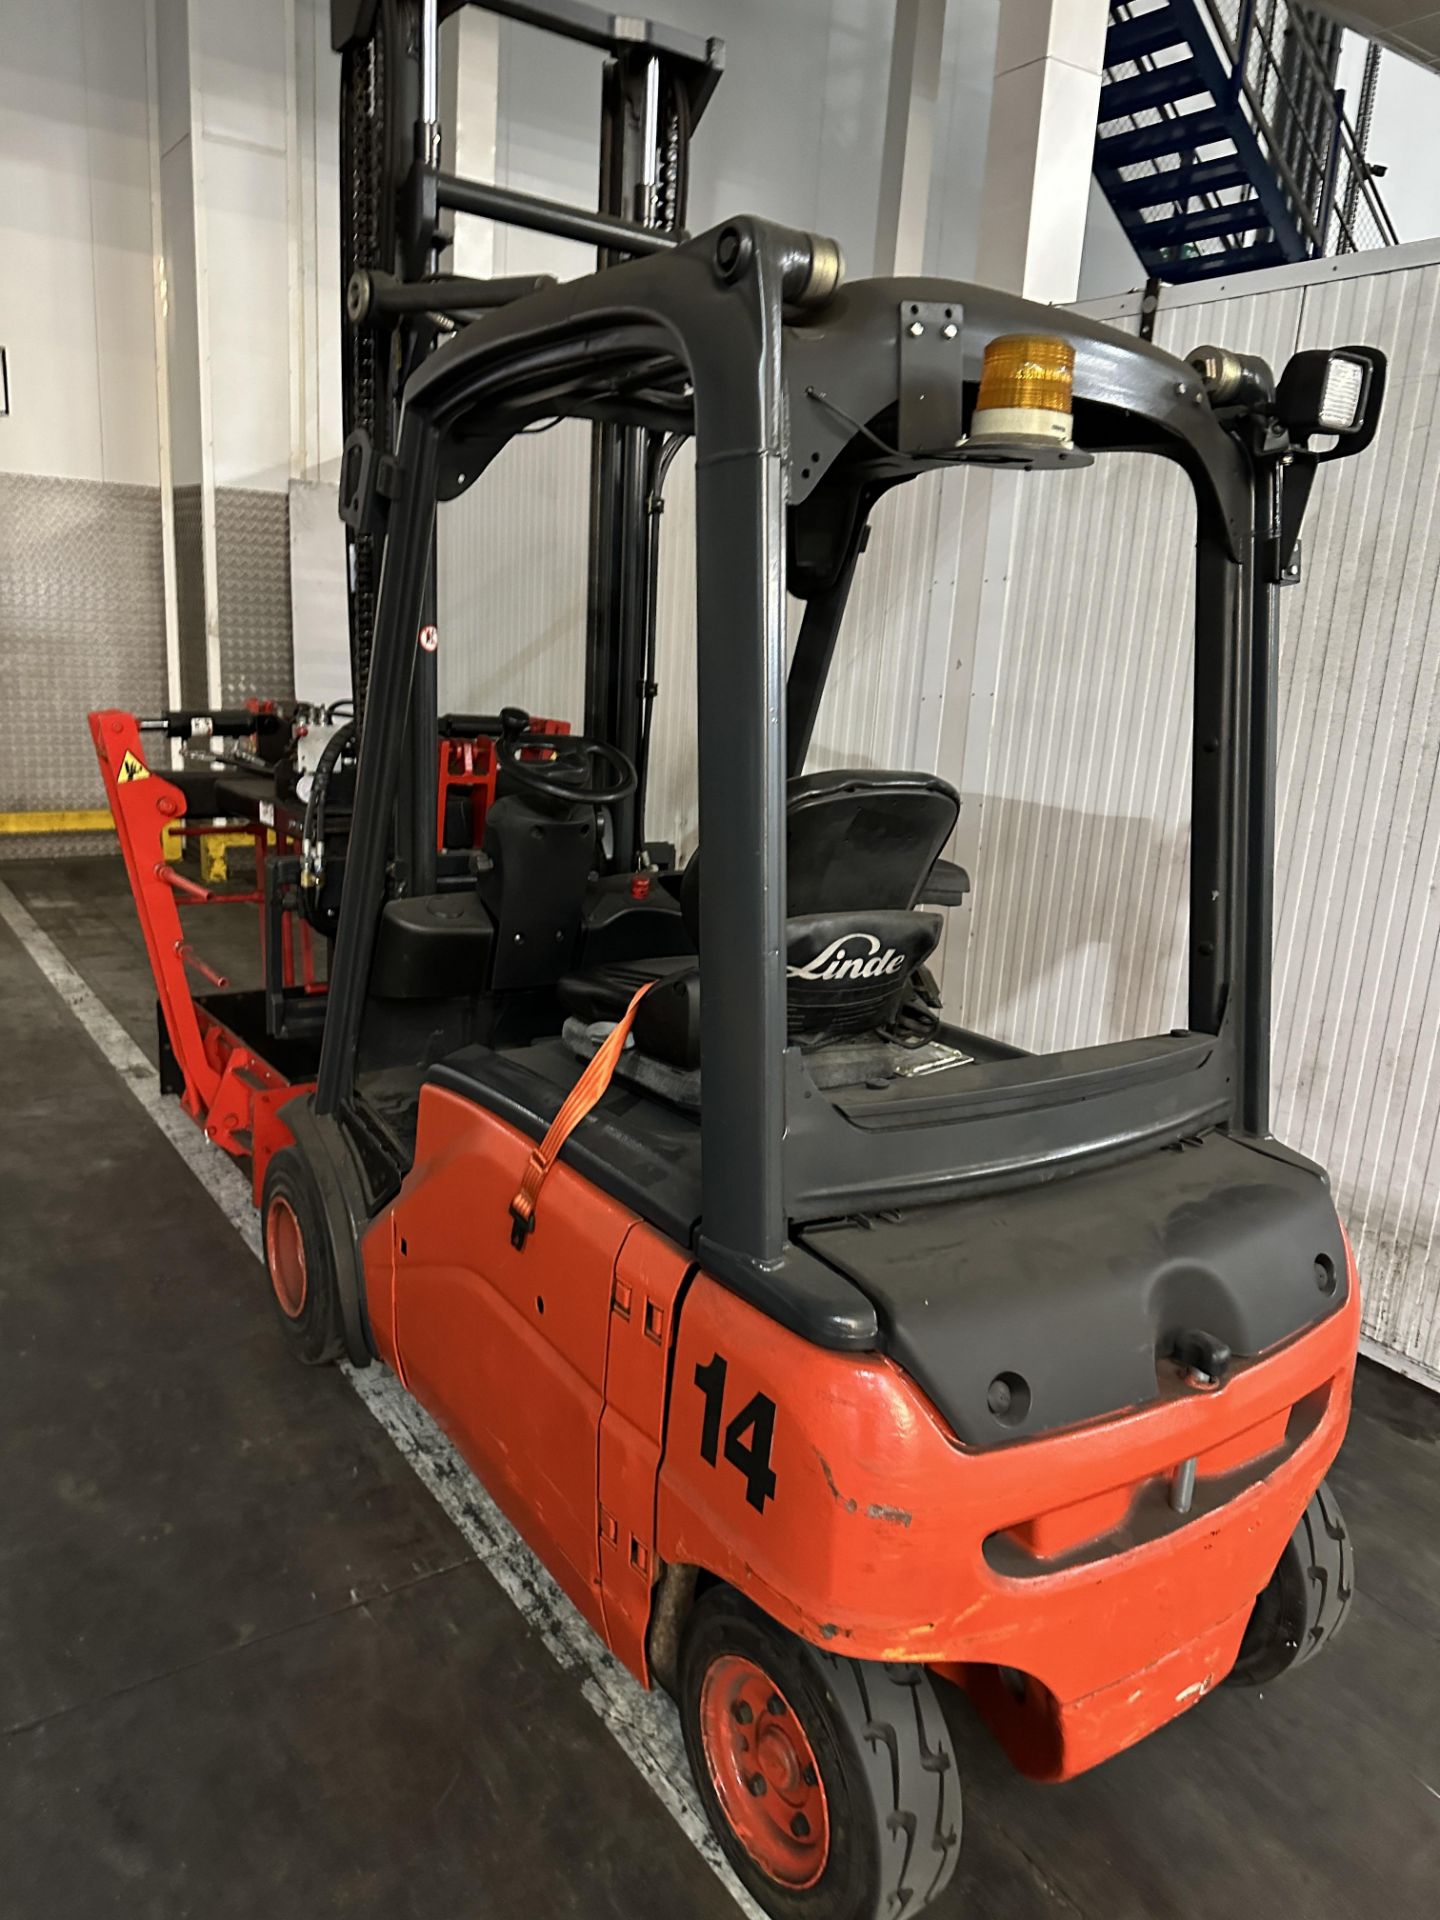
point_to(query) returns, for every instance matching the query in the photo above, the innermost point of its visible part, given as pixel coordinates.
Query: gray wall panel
(190, 594)
(82, 625)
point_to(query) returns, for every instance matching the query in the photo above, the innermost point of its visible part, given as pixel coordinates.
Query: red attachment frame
(473, 766)
(228, 1088)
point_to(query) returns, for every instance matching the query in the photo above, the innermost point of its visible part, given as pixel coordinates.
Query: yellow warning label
(133, 768)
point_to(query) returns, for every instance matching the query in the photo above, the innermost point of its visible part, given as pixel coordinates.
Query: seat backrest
(858, 839)
(854, 839)
(859, 848)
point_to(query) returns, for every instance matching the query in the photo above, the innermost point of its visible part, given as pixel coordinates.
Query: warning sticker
(132, 767)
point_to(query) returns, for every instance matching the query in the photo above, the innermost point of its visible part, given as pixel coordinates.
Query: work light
(1325, 392)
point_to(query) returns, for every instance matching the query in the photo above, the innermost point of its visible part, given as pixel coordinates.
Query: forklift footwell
(247, 1664)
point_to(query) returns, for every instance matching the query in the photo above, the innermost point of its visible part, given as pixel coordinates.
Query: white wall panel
(76, 294)
(513, 581)
(871, 703)
(672, 809)
(246, 253)
(1358, 905)
(316, 355)
(1078, 923)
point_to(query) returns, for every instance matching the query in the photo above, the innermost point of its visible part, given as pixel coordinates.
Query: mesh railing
(1284, 58)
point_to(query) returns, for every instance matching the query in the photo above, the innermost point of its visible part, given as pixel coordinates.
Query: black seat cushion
(604, 992)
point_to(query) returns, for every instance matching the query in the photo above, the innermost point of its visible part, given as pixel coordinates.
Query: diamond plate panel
(82, 625)
(252, 552)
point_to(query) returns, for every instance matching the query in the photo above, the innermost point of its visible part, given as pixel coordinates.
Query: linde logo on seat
(854, 956)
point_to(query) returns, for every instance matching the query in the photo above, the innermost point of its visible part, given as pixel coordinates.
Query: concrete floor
(248, 1666)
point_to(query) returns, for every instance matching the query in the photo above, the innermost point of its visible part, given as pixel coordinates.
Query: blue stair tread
(1213, 223)
(1177, 183)
(1149, 33)
(1164, 86)
(1204, 128)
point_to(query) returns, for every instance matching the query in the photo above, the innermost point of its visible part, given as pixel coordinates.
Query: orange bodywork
(875, 1543)
(546, 1366)
(588, 1378)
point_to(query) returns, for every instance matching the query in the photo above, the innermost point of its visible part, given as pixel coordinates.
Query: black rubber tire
(1306, 1600)
(315, 1334)
(884, 1755)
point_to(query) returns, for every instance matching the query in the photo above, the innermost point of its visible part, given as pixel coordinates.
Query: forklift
(831, 1354)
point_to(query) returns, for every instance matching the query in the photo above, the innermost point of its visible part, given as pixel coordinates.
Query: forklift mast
(400, 303)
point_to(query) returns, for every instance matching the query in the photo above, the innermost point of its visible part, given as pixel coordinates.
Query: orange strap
(581, 1098)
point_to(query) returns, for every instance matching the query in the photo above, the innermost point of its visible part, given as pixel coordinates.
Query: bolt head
(756, 1784)
(810, 1777)
(742, 1712)
(775, 1705)
(916, 329)
(727, 250)
(800, 1827)
(949, 330)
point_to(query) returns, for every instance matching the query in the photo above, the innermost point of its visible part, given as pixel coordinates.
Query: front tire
(300, 1259)
(1304, 1604)
(831, 1784)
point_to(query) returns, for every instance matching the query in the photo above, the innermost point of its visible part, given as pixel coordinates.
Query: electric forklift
(829, 1352)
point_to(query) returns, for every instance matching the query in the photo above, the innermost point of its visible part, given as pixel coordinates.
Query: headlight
(1341, 395)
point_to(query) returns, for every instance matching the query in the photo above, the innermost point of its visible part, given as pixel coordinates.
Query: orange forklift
(831, 1354)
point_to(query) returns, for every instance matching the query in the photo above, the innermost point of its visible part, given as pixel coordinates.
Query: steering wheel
(567, 766)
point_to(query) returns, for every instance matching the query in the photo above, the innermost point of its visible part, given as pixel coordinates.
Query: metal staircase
(1224, 143)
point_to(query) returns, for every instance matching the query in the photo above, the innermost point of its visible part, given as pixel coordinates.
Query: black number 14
(748, 1438)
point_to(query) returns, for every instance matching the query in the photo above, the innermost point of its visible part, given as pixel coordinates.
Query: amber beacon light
(1025, 387)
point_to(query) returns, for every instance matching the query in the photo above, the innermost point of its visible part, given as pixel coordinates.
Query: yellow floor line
(74, 820)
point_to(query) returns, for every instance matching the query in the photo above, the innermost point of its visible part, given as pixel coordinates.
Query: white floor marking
(645, 1725)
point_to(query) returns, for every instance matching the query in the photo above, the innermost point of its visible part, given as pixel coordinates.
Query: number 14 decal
(748, 1438)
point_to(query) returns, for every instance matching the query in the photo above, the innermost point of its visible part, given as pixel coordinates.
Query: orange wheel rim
(764, 1772)
(285, 1257)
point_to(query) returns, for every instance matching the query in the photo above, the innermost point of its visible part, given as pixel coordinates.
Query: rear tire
(852, 1810)
(1305, 1602)
(300, 1260)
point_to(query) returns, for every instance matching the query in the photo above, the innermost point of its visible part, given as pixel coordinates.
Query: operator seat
(860, 848)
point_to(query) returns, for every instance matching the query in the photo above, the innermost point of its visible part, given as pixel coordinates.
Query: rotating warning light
(1025, 386)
